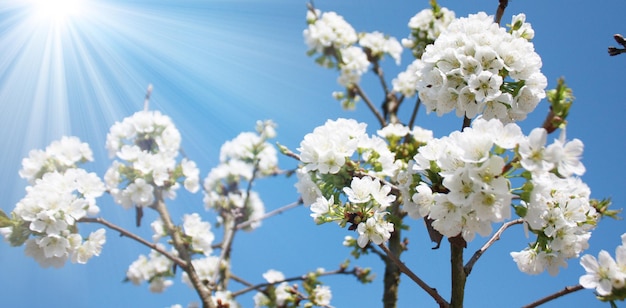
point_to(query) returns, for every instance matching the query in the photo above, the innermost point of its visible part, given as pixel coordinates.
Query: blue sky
(217, 67)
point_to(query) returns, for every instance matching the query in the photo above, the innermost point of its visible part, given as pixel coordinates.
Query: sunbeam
(75, 67)
(56, 11)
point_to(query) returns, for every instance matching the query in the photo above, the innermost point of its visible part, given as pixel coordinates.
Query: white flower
(406, 82)
(307, 189)
(393, 130)
(528, 262)
(192, 175)
(520, 28)
(329, 30)
(152, 269)
(321, 295)
(328, 146)
(91, 247)
(321, 207)
(566, 156)
(532, 151)
(599, 272)
(422, 201)
(353, 64)
(200, 233)
(140, 192)
(205, 268)
(273, 276)
(375, 229)
(473, 64)
(378, 45)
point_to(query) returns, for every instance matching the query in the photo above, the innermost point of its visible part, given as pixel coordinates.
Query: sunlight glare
(57, 11)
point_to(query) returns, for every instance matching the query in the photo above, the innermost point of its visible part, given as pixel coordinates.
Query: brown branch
(500, 11)
(414, 113)
(126, 233)
(458, 275)
(565, 291)
(381, 76)
(369, 104)
(249, 287)
(496, 236)
(230, 228)
(467, 122)
(277, 211)
(179, 244)
(404, 269)
(146, 100)
(614, 51)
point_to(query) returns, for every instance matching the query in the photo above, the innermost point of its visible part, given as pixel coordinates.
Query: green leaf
(19, 234)
(5, 221)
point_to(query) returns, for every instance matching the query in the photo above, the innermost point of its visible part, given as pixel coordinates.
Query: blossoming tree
(487, 175)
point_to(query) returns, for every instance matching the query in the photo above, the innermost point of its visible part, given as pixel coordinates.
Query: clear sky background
(217, 67)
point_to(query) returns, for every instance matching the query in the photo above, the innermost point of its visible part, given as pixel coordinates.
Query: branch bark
(565, 291)
(369, 104)
(496, 236)
(500, 11)
(457, 245)
(275, 212)
(404, 269)
(249, 287)
(177, 241)
(123, 232)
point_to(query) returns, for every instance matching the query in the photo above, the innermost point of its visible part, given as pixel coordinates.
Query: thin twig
(565, 291)
(381, 76)
(123, 232)
(268, 215)
(496, 236)
(230, 227)
(404, 269)
(414, 113)
(146, 101)
(340, 271)
(369, 104)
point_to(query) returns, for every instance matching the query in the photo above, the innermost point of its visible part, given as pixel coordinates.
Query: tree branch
(565, 291)
(340, 271)
(177, 241)
(496, 236)
(277, 211)
(404, 269)
(371, 106)
(500, 11)
(414, 113)
(230, 228)
(458, 275)
(123, 232)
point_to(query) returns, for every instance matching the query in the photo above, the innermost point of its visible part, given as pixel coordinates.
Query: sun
(57, 11)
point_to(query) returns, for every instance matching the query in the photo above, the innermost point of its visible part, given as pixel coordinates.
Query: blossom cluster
(605, 274)
(60, 194)
(247, 156)
(335, 41)
(476, 67)
(60, 155)
(281, 293)
(341, 177)
(425, 27)
(464, 182)
(154, 268)
(462, 187)
(147, 145)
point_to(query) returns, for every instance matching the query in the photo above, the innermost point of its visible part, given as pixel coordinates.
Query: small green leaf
(5, 221)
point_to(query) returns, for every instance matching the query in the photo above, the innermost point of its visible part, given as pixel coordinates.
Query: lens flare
(56, 11)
